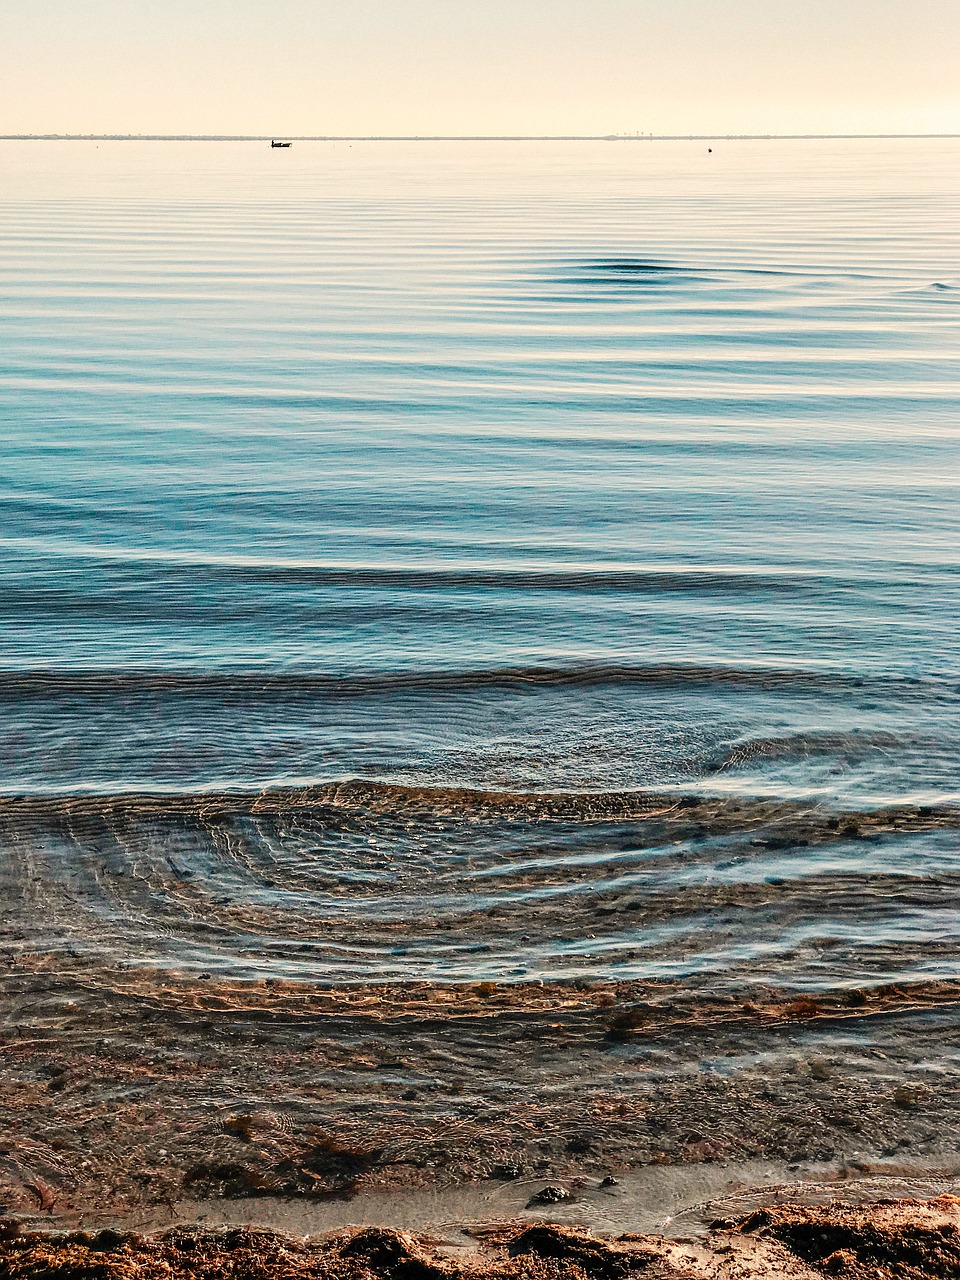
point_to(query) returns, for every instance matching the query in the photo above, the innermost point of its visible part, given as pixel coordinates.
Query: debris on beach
(899, 1239)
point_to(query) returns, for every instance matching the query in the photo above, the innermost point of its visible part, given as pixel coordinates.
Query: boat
(275, 143)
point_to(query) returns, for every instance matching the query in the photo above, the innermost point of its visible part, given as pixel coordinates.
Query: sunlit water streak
(526, 466)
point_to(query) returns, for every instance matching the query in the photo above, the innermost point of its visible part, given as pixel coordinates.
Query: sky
(362, 67)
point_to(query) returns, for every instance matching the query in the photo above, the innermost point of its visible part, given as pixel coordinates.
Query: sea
(470, 495)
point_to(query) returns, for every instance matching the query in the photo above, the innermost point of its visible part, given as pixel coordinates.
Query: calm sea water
(553, 466)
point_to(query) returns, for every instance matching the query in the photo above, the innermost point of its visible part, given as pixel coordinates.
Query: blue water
(526, 466)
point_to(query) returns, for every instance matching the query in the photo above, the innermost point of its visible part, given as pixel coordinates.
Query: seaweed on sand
(905, 1240)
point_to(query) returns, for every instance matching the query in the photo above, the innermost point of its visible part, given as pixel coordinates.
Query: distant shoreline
(566, 137)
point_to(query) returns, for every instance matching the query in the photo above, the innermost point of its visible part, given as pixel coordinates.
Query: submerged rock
(549, 1195)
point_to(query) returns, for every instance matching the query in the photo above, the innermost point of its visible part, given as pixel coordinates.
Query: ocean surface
(576, 469)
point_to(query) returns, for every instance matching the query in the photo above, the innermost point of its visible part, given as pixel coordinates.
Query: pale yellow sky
(479, 66)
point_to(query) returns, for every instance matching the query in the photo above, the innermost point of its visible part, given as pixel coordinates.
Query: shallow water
(680, 1202)
(523, 466)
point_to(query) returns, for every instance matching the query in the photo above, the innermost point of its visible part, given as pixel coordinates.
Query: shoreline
(912, 1239)
(678, 1202)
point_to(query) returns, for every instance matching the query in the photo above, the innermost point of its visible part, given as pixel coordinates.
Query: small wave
(633, 266)
(376, 881)
(854, 744)
(708, 814)
(621, 272)
(936, 290)
(577, 580)
(47, 683)
(401, 578)
(627, 270)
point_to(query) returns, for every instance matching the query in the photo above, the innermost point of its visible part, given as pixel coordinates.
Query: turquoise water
(557, 464)
(527, 466)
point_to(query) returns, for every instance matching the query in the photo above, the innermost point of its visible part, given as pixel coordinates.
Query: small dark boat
(275, 143)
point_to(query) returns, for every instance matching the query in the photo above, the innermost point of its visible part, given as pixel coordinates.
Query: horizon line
(465, 137)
